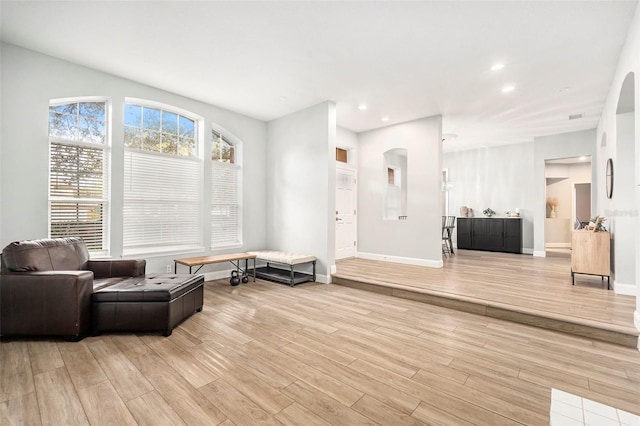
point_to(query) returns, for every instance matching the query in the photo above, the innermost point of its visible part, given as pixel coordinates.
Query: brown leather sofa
(46, 286)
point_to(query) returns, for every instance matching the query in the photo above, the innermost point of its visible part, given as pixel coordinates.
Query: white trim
(399, 259)
(558, 245)
(323, 279)
(623, 288)
(334, 268)
(527, 251)
(226, 273)
(538, 253)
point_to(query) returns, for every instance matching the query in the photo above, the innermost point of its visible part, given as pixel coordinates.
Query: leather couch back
(55, 254)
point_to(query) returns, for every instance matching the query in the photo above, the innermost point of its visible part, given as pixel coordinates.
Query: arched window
(162, 179)
(226, 174)
(79, 171)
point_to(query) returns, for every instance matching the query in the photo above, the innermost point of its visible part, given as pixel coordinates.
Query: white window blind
(225, 214)
(78, 172)
(162, 196)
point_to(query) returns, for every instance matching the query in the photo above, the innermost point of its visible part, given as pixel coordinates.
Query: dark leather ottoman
(150, 303)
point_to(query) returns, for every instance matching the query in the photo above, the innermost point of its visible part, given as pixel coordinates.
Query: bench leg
(292, 276)
(314, 271)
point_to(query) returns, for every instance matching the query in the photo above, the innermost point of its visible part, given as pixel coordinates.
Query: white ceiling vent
(576, 116)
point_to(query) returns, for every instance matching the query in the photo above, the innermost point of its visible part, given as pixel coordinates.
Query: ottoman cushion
(151, 303)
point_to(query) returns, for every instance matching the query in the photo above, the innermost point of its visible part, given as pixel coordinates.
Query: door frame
(341, 167)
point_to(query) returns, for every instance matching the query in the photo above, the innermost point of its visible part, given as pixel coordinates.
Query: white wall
(417, 239)
(346, 139)
(300, 211)
(29, 80)
(629, 62)
(498, 177)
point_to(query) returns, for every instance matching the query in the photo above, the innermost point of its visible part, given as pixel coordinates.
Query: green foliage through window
(157, 130)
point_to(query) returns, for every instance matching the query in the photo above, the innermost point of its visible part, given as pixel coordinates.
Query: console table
(502, 234)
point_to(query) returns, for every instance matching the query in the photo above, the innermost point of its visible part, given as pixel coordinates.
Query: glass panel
(152, 118)
(187, 147)
(92, 130)
(187, 127)
(66, 108)
(133, 137)
(169, 122)
(226, 153)
(133, 115)
(63, 126)
(95, 110)
(169, 143)
(151, 141)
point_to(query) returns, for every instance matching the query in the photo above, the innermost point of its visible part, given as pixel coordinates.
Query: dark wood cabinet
(490, 234)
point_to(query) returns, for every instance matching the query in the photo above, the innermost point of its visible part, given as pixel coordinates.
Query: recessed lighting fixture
(362, 107)
(385, 118)
(497, 67)
(507, 89)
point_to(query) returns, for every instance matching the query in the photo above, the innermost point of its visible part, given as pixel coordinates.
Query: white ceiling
(405, 60)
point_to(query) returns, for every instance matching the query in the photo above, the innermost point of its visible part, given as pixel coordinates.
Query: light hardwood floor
(316, 354)
(521, 288)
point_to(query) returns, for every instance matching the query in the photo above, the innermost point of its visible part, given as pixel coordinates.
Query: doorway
(346, 201)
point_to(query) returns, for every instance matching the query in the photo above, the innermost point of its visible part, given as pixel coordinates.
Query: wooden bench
(286, 276)
(233, 258)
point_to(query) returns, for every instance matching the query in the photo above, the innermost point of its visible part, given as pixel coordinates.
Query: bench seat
(289, 275)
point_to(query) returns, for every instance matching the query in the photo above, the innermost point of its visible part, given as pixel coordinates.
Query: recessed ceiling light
(385, 118)
(507, 89)
(362, 107)
(497, 67)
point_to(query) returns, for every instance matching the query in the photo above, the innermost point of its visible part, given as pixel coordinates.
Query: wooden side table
(590, 254)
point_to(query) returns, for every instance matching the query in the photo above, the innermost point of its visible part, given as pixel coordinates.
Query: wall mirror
(395, 181)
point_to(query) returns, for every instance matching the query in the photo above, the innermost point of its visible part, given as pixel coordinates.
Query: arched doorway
(624, 220)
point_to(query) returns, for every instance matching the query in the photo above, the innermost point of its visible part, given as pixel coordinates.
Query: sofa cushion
(58, 254)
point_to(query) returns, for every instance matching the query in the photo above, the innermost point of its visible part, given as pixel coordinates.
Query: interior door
(346, 226)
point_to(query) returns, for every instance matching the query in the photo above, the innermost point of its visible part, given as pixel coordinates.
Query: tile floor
(568, 410)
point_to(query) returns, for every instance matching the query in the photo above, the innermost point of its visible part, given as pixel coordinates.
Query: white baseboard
(527, 251)
(324, 279)
(217, 275)
(622, 288)
(399, 259)
(538, 253)
(558, 245)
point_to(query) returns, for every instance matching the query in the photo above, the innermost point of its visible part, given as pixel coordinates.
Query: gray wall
(300, 211)
(498, 177)
(29, 80)
(418, 238)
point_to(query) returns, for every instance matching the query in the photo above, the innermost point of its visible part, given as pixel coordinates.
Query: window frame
(161, 249)
(106, 148)
(237, 165)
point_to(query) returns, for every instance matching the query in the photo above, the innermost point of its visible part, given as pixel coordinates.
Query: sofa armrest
(46, 303)
(117, 268)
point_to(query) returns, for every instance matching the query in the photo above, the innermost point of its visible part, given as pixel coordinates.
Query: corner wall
(29, 80)
(300, 211)
(418, 239)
